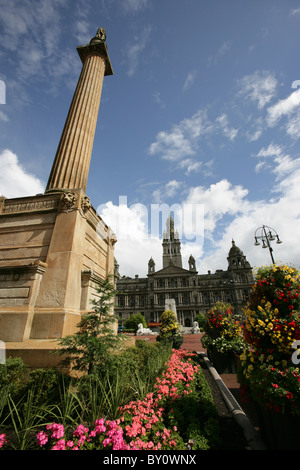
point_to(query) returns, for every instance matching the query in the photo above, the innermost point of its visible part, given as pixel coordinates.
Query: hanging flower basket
(224, 363)
(223, 338)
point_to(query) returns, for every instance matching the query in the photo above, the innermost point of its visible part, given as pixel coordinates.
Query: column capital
(96, 48)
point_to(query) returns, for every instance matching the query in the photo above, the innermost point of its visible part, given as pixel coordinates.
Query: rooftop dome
(235, 250)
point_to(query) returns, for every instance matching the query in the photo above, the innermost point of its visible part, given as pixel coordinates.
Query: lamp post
(266, 235)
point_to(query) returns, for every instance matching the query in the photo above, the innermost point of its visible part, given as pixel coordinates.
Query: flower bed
(223, 337)
(267, 372)
(170, 330)
(154, 423)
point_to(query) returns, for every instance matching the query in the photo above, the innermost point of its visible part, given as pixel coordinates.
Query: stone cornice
(100, 49)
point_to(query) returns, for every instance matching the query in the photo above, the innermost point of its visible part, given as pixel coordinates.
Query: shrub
(12, 376)
(133, 321)
(88, 350)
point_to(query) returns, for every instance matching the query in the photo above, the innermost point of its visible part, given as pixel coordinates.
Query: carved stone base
(54, 248)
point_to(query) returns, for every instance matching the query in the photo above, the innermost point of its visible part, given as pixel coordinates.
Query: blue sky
(203, 110)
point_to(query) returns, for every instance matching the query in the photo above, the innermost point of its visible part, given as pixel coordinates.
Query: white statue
(170, 304)
(143, 331)
(195, 328)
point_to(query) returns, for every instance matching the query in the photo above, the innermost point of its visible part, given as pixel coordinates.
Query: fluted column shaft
(72, 161)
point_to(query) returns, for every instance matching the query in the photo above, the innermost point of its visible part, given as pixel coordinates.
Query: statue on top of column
(100, 36)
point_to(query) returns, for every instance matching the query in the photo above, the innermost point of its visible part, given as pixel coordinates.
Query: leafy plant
(88, 350)
(133, 321)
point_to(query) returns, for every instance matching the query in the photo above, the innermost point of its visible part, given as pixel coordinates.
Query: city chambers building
(192, 292)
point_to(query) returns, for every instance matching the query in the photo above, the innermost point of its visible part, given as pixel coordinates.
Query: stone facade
(54, 247)
(193, 292)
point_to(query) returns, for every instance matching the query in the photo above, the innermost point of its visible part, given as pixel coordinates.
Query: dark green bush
(133, 321)
(12, 376)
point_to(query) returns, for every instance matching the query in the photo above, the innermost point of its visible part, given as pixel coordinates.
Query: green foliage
(133, 321)
(196, 417)
(46, 383)
(140, 365)
(88, 350)
(12, 375)
(201, 319)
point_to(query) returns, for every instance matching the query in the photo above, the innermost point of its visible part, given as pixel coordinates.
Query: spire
(171, 245)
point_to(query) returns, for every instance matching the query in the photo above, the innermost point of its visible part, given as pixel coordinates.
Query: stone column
(72, 161)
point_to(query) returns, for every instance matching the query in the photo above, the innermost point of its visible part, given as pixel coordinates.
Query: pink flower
(99, 426)
(57, 430)
(60, 445)
(106, 442)
(80, 430)
(3, 440)
(42, 438)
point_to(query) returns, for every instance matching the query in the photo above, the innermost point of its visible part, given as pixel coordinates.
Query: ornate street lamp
(266, 235)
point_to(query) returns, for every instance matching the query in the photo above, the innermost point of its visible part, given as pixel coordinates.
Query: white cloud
(228, 131)
(259, 87)
(15, 181)
(183, 138)
(3, 117)
(281, 213)
(285, 165)
(190, 166)
(167, 191)
(293, 126)
(218, 199)
(281, 163)
(189, 80)
(134, 5)
(295, 11)
(135, 246)
(158, 100)
(271, 151)
(32, 31)
(224, 49)
(284, 107)
(134, 50)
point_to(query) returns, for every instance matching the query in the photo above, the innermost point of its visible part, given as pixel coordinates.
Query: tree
(89, 349)
(133, 321)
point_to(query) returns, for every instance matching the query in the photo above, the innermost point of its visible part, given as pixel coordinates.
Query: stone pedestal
(53, 250)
